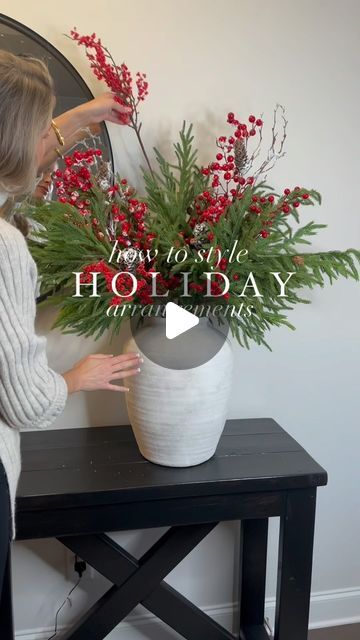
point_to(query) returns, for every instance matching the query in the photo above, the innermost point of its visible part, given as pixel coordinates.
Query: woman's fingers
(118, 118)
(102, 355)
(125, 374)
(119, 376)
(115, 387)
(121, 108)
(115, 119)
(115, 359)
(128, 364)
(120, 113)
(106, 107)
(124, 357)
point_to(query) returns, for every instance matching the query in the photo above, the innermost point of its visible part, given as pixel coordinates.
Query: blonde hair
(26, 105)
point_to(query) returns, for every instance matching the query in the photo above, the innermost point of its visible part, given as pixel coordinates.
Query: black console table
(78, 483)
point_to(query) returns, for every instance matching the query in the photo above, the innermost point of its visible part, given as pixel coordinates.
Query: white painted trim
(327, 609)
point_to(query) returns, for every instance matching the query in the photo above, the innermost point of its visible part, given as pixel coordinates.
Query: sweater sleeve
(31, 393)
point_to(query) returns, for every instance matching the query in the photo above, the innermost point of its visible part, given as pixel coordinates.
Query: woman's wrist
(70, 125)
(81, 116)
(72, 381)
(71, 121)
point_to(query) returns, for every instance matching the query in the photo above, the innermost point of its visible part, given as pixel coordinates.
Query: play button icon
(171, 336)
(178, 320)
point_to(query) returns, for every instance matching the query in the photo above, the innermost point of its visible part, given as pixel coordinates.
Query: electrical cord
(79, 566)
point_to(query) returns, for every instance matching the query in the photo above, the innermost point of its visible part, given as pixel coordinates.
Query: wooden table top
(99, 465)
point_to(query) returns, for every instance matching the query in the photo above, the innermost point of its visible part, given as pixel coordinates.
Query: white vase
(178, 415)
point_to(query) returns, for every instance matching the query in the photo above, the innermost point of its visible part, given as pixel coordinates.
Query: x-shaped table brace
(141, 582)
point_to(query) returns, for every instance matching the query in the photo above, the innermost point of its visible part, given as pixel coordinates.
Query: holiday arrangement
(201, 236)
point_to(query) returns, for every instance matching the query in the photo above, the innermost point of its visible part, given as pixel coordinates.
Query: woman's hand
(72, 122)
(98, 370)
(105, 107)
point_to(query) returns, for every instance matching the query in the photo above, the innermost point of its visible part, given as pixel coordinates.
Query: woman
(31, 394)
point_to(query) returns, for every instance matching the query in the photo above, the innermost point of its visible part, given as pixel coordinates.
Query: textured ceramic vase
(178, 415)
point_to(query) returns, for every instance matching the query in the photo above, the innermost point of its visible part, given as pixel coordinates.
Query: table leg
(295, 566)
(253, 553)
(118, 565)
(6, 607)
(140, 582)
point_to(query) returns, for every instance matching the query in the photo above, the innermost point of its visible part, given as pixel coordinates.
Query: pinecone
(298, 260)
(240, 154)
(130, 259)
(103, 176)
(200, 229)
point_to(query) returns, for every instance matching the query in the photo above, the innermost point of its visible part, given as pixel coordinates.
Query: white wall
(203, 59)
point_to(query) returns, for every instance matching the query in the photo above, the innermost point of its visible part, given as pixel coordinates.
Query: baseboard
(335, 608)
(327, 609)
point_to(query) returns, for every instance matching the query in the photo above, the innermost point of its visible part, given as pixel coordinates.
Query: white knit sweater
(31, 394)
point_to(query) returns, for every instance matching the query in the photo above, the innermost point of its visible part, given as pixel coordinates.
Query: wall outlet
(70, 574)
(89, 571)
(80, 566)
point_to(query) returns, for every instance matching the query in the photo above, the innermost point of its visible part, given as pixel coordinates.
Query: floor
(348, 632)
